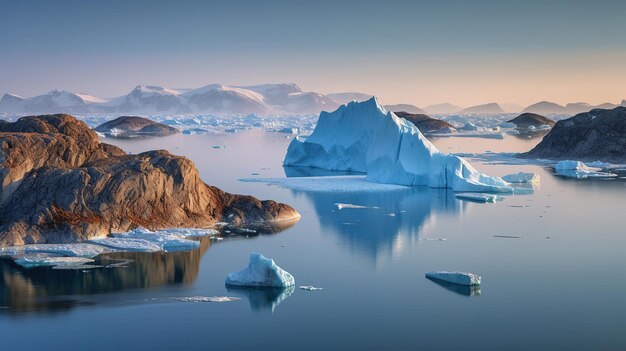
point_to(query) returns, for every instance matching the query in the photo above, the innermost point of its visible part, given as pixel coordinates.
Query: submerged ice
(261, 272)
(363, 137)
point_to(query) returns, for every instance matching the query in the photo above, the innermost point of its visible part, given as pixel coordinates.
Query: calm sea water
(560, 285)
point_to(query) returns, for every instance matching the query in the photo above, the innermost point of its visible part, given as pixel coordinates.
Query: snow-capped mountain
(152, 99)
(54, 101)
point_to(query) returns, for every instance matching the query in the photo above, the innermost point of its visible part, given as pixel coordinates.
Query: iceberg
(579, 170)
(363, 137)
(261, 272)
(521, 177)
(460, 278)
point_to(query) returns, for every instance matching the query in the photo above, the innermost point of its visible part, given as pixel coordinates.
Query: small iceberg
(310, 288)
(460, 278)
(522, 177)
(261, 272)
(341, 206)
(478, 197)
(579, 170)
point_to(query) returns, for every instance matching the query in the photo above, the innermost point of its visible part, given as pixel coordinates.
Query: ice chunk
(261, 271)
(521, 177)
(461, 278)
(477, 197)
(207, 299)
(363, 137)
(341, 206)
(577, 169)
(310, 288)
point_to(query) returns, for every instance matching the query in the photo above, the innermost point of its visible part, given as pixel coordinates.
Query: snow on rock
(579, 170)
(521, 177)
(460, 278)
(478, 197)
(363, 137)
(261, 272)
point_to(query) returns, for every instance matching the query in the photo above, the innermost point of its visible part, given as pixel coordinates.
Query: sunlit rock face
(60, 184)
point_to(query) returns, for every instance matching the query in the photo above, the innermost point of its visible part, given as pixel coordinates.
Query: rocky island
(426, 123)
(589, 136)
(531, 120)
(132, 126)
(61, 184)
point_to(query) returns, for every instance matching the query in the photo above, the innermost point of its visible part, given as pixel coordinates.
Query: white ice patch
(341, 206)
(45, 259)
(328, 184)
(206, 299)
(128, 244)
(75, 250)
(310, 288)
(167, 240)
(478, 197)
(461, 278)
(521, 177)
(579, 170)
(261, 271)
(363, 137)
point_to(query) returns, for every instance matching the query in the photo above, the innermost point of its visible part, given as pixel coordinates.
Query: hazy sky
(466, 52)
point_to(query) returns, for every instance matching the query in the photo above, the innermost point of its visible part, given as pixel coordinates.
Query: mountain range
(285, 98)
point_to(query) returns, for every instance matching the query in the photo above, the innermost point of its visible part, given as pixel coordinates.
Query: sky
(418, 52)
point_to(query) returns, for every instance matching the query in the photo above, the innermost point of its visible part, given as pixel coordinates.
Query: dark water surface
(553, 268)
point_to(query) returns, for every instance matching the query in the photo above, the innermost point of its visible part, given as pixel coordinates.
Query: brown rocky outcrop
(60, 184)
(526, 120)
(590, 136)
(132, 126)
(424, 122)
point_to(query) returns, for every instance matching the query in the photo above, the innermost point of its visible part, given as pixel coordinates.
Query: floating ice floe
(206, 299)
(310, 288)
(167, 240)
(357, 183)
(460, 278)
(579, 170)
(341, 206)
(44, 259)
(128, 244)
(521, 177)
(74, 250)
(261, 272)
(363, 137)
(478, 197)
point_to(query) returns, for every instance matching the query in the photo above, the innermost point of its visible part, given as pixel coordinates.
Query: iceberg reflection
(262, 298)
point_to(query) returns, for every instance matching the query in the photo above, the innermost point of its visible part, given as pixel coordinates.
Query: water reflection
(463, 290)
(262, 298)
(43, 289)
(389, 219)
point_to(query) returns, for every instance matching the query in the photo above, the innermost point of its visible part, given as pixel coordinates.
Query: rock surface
(60, 184)
(424, 122)
(525, 120)
(131, 126)
(590, 136)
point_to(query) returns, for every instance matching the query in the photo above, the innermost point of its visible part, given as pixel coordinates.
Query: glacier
(261, 272)
(461, 278)
(363, 137)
